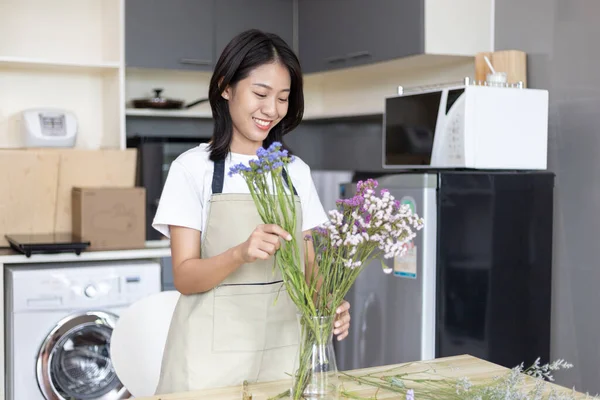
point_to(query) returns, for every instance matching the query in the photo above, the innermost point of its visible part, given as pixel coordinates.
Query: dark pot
(162, 103)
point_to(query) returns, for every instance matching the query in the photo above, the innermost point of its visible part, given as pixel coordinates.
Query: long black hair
(245, 52)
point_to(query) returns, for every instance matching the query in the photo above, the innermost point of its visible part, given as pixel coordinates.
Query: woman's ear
(225, 93)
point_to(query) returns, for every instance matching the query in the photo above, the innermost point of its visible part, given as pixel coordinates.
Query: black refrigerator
(477, 282)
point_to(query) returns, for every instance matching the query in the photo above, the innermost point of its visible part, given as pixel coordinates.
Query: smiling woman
(257, 84)
(227, 326)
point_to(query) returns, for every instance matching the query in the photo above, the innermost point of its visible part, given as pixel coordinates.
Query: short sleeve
(180, 202)
(313, 213)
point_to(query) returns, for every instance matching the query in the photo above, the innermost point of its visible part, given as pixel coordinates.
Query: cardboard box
(110, 218)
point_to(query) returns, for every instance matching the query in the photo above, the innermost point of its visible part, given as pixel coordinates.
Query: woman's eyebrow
(264, 85)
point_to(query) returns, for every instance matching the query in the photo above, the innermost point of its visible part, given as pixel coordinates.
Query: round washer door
(74, 360)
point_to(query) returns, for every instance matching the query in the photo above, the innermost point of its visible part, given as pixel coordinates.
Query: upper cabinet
(327, 34)
(345, 33)
(173, 34)
(337, 34)
(236, 16)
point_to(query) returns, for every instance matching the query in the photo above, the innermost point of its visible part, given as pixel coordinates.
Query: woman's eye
(283, 100)
(262, 96)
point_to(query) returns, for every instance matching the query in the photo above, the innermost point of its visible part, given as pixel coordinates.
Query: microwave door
(449, 143)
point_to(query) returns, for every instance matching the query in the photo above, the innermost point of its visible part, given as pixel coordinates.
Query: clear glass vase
(316, 373)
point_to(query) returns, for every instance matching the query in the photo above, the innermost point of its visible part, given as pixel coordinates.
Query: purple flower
(362, 187)
(277, 164)
(238, 168)
(321, 231)
(355, 201)
(254, 164)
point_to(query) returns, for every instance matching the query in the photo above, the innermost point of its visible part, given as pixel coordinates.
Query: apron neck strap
(219, 177)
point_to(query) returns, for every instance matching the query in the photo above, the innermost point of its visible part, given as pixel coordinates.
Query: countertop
(152, 249)
(450, 367)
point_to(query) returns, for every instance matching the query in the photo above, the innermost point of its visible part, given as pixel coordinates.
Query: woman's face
(256, 104)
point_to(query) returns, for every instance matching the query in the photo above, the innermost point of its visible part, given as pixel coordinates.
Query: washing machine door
(74, 360)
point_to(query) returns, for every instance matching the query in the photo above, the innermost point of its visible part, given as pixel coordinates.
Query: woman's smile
(263, 124)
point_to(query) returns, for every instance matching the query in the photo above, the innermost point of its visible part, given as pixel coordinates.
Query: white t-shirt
(188, 187)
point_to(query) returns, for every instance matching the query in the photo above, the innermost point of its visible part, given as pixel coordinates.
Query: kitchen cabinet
(236, 16)
(337, 34)
(174, 34)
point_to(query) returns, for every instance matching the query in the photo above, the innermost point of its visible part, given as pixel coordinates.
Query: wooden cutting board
(27, 192)
(513, 62)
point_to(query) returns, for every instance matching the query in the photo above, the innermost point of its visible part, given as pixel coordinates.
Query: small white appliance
(59, 321)
(468, 125)
(48, 127)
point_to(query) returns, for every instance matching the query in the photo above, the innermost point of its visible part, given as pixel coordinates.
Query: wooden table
(450, 367)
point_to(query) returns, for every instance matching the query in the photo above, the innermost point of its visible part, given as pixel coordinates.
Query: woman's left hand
(342, 321)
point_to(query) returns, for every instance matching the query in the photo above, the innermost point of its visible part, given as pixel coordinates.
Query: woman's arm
(192, 274)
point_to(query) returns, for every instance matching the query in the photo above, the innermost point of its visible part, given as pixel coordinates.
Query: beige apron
(237, 331)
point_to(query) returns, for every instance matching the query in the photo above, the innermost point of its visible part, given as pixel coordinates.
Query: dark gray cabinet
(337, 34)
(236, 16)
(173, 34)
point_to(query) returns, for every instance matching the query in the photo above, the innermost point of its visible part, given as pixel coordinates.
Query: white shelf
(153, 249)
(142, 112)
(65, 54)
(32, 63)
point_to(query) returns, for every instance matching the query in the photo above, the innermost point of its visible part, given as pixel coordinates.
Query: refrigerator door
(393, 316)
(494, 266)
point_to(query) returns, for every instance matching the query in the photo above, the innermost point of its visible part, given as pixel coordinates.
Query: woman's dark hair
(245, 52)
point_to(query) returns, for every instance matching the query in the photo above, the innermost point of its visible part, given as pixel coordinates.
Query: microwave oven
(466, 126)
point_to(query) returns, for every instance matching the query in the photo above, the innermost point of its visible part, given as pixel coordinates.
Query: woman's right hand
(262, 243)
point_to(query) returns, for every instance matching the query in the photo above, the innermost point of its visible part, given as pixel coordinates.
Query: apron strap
(219, 177)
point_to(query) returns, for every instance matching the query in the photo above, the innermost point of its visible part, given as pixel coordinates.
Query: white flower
(387, 270)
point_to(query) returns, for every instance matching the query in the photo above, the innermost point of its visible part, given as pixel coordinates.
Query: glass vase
(316, 373)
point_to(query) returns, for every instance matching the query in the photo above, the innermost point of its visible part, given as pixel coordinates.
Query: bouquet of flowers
(368, 226)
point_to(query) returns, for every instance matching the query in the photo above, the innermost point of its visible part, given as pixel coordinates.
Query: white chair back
(138, 341)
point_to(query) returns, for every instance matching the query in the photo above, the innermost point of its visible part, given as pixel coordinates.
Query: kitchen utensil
(48, 127)
(162, 103)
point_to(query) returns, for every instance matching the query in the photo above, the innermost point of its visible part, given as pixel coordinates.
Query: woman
(227, 326)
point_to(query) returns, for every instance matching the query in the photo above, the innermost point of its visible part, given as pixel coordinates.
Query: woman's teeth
(262, 123)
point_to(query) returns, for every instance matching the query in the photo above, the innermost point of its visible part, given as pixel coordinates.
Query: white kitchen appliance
(59, 321)
(466, 125)
(48, 127)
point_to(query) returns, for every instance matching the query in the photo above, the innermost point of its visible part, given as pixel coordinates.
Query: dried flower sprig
(512, 385)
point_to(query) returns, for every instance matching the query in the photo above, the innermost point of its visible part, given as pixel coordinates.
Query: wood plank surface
(449, 367)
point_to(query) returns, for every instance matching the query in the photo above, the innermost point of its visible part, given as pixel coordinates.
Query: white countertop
(153, 249)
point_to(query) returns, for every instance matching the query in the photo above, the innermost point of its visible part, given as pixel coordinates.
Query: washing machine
(59, 321)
